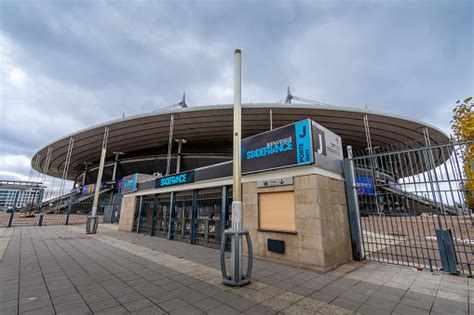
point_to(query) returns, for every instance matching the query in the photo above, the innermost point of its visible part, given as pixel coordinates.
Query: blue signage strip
(304, 145)
(174, 180)
(285, 146)
(130, 183)
(365, 185)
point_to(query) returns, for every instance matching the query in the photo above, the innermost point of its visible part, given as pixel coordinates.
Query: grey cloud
(90, 61)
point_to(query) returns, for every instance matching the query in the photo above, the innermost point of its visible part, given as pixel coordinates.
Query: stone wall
(322, 238)
(127, 213)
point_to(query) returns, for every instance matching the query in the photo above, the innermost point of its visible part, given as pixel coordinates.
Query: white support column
(367, 133)
(91, 227)
(373, 162)
(179, 157)
(116, 162)
(65, 171)
(271, 119)
(170, 145)
(45, 174)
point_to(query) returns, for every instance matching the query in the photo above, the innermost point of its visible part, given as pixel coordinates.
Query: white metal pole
(116, 162)
(179, 157)
(237, 215)
(236, 189)
(170, 145)
(271, 119)
(100, 172)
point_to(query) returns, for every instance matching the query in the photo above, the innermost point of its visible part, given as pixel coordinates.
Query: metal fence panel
(162, 212)
(406, 196)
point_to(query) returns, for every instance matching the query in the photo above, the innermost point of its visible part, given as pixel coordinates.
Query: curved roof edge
(244, 105)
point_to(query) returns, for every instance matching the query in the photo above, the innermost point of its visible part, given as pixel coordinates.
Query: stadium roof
(213, 125)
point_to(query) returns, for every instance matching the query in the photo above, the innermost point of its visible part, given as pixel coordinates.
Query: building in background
(29, 193)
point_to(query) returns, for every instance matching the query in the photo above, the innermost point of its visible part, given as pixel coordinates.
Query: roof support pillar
(65, 171)
(170, 145)
(180, 156)
(271, 119)
(372, 160)
(116, 162)
(367, 133)
(91, 227)
(45, 173)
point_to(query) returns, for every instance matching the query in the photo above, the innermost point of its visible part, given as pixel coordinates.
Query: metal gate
(197, 216)
(183, 215)
(209, 217)
(145, 217)
(415, 206)
(160, 224)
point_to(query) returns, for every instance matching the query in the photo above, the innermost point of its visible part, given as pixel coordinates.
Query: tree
(463, 129)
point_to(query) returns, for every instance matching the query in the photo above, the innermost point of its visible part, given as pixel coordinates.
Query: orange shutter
(277, 211)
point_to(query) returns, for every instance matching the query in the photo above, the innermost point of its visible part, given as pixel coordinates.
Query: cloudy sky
(66, 65)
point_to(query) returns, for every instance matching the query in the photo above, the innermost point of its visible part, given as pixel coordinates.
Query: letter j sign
(304, 145)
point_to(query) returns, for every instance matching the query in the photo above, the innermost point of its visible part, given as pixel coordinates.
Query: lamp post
(236, 278)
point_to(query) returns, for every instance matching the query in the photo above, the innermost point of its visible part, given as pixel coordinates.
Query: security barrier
(415, 206)
(193, 216)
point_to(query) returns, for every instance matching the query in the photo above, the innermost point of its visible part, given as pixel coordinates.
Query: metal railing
(421, 216)
(197, 216)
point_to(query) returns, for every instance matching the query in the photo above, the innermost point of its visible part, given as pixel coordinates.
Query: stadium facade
(143, 140)
(170, 173)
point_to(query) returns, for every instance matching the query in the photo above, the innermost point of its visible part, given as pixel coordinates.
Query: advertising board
(174, 180)
(365, 186)
(282, 147)
(129, 183)
(327, 147)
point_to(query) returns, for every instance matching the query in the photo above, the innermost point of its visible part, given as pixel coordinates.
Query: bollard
(12, 215)
(235, 279)
(91, 225)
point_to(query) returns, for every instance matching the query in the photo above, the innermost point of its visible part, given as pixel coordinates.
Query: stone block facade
(127, 213)
(322, 237)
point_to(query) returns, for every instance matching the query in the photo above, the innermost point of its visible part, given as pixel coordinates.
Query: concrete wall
(322, 238)
(127, 213)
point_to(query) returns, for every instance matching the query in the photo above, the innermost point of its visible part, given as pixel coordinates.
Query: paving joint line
(214, 273)
(94, 260)
(41, 269)
(61, 266)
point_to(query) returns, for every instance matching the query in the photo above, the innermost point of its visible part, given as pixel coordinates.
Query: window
(277, 211)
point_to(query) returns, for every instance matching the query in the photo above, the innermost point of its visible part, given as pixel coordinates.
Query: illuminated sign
(282, 147)
(173, 180)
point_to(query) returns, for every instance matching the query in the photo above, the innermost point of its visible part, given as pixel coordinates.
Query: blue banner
(130, 183)
(365, 185)
(304, 145)
(173, 180)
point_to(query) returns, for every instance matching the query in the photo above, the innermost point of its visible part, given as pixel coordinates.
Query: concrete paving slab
(113, 272)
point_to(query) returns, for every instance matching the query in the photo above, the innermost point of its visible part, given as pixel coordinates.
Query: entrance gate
(415, 206)
(183, 216)
(197, 216)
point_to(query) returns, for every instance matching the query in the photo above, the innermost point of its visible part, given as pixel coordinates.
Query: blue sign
(129, 183)
(304, 145)
(365, 185)
(173, 180)
(281, 147)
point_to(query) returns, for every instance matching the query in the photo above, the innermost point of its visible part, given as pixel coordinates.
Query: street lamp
(236, 278)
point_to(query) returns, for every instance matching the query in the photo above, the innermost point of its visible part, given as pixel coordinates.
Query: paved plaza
(60, 270)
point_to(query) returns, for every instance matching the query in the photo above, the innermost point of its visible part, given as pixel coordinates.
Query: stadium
(207, 130)
(168, 174)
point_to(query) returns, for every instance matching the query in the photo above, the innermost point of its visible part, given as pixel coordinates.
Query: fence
(193, 216)
(64, 210)
(415, 206)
